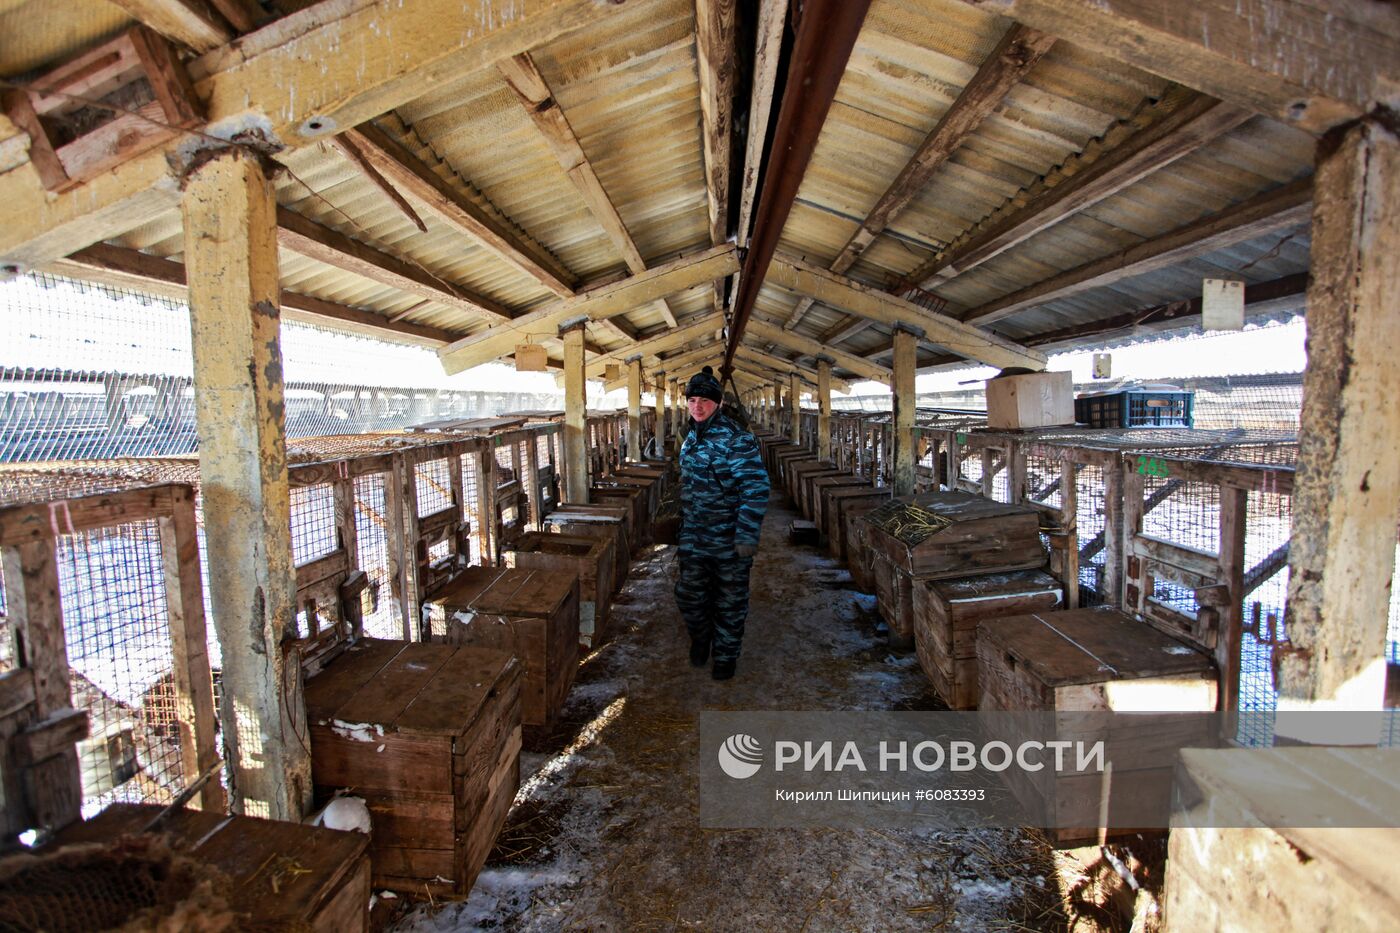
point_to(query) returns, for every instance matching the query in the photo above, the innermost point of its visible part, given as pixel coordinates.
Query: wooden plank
(535, 96)
(599, 303)
(698, 329)
(352, 152)
(189, 648)
(50, 737)
(772, 19)
(1192, 560)
(1014, 56)
(1341, 553)
(33, 605)
(1171, 136)
(838, 291)
(182, 21)
(715, 40)
(761, 330)
(417, 179)
(231, 256)
(1273, 210)
(323, 244)
(1311, 65)
(115, 265)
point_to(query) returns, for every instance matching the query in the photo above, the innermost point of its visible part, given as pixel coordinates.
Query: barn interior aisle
(605, 834)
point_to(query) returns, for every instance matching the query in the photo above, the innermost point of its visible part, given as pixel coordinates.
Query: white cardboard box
(1032, 400)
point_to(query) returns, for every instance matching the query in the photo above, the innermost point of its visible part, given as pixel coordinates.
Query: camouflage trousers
(713, 596)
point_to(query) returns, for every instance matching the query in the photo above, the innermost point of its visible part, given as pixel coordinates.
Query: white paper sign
(1222, 305)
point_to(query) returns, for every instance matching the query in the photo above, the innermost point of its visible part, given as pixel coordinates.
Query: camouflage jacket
(724, 488)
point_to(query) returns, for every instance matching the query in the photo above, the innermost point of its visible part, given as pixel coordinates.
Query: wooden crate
(946, 614)
(802, 485)
(1030, 400)
(653, 477)
(533, 614)
(1232, 864)
(429, 735)
(859, 554)
(785, 456)
(773, 453)
(1088, 660)
(821, 485)
(894, 596)
(590, 558)
(597, 521)
(327, 892)
(838, 501)
(634, 499)
(956, 534)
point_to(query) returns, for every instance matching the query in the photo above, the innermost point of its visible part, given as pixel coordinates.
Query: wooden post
(1113, 543)
(1234, 515)
(1069, 512)
(823, 408)
(53, 786)
(659, 428)
(189, 646)
(988, 471)
(906, 344)
(487, 535)
(1341, 554)
(531, 477)
(230, 223)
(795, 407)
(773, 407)
(575, 413)
(634, 408)
(399, 550)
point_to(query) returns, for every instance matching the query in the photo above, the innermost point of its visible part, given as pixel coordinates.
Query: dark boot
(699, 652)
(723, 670)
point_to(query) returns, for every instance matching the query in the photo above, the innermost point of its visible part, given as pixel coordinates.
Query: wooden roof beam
(838, 291)
(186, 22)
(304, 77)
(129, 268)
(1287, 206)
(1174, 134)
(396, 162)
(762, 330)
(307, 238)
(779, 365)
(597, 304)
(661, 343)
(1014, 56)
(1314, 65)
(772, 21)
(535, 96)
(715, 48)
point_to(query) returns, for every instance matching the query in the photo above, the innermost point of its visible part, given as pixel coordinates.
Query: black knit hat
(705, 385)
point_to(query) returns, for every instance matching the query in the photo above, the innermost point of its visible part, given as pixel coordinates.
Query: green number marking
(1152, 466)
(961, 438)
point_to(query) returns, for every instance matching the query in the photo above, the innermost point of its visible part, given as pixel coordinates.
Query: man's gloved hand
(746, 550)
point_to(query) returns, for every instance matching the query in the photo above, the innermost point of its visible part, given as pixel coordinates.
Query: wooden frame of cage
(38, 739)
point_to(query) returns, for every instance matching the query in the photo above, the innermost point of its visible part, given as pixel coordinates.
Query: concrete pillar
(1341, 556)
(824, 408)
(634, 408)
(906, 344)
(575, 415)
(795, 407)
(230, 218)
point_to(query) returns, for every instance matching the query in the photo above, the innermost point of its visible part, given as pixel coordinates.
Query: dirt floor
(605, 832)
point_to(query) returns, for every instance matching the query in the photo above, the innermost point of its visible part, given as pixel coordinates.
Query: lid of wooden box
(550, 543)
(995, 586)
(1080, 646)
(242, 848)
(571, 512)
(408, 687)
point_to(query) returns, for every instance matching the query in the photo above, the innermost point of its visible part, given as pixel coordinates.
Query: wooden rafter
(310, 74)
(1014, 56)
(1315, 65)
(444, 201)
(114, 265)
(762, 330)
(838, 291)
(535, 96)
(597, 304)
(1174, 135)
(1278, 209)
(714, 53)
(772, 20)
(661, 343)
(315, 241)
(188, 23)
(779, 365)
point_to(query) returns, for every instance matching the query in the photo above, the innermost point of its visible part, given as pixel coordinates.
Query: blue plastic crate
(1135, 408)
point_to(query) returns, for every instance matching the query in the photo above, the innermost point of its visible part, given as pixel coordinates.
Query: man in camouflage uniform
(724, 493)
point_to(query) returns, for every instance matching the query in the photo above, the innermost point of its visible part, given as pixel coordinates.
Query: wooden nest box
(103, 108)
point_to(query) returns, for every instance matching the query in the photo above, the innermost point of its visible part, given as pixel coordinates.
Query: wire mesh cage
(383, 620)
